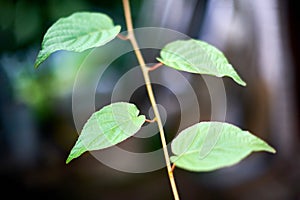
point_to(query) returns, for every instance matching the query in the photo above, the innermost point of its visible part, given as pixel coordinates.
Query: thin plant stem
(154, 67)
(145, 71)
(122, 37)
(151, 120)
(173, 167)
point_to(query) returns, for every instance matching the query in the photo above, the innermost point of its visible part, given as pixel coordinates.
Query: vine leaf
(77, 32)
(107, 127)
(198, 57)
(230, 147)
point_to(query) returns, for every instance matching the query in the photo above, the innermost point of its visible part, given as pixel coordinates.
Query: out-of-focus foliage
(24, 22)
(22, 26)
(38, 89)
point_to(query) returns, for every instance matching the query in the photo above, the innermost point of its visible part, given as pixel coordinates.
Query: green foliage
(205, 146)
(77, 33)
(227, 146)
(198, 57)
(107, 127)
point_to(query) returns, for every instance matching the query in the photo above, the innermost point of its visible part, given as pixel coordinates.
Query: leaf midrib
(103, 132)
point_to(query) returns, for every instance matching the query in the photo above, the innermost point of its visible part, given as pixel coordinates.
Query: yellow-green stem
(145, 71)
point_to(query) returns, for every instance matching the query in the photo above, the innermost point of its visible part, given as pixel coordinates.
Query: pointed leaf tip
(68, 160)
(109, 126)
(208, 146)
(77, 32)
(198, 57)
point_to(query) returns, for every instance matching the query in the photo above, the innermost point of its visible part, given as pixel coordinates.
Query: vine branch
(145, 71)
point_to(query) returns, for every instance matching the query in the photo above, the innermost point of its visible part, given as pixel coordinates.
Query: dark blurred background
(260, 38)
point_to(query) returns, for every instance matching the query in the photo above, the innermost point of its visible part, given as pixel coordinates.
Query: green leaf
(227, 145)
(198, 57)
(107, 127)
(78, 32)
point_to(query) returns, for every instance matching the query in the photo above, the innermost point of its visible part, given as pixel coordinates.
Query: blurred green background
(36, 123)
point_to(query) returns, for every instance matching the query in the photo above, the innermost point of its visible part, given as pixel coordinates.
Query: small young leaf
(78, 32)
(107, 127)
(198, 57)
(230, 147)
